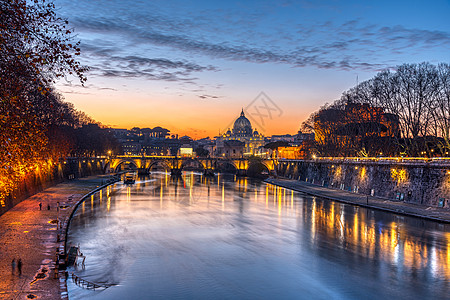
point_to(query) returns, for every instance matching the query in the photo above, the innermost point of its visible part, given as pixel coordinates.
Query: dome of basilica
(242, 126)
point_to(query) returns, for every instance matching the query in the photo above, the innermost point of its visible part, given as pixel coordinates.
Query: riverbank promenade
(398, 207)
(29, 232)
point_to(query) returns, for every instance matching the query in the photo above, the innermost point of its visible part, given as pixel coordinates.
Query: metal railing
(87, 284)
(412, 161)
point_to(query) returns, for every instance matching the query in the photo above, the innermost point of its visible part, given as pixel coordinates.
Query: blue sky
(191, 65)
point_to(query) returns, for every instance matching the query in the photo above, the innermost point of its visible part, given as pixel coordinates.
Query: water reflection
(228, 237)
(408, 243)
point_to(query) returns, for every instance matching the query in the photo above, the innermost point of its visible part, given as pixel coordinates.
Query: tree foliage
(35, 44)
(418, 94)
(36, 126)
(201, 152)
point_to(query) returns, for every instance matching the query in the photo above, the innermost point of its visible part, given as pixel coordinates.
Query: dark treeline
(37, 127)
(415, 101)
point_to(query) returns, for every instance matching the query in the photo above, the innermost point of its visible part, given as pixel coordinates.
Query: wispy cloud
(69, 87)
(240, 36)
(205, 96)
(338, 49)
(109, 62)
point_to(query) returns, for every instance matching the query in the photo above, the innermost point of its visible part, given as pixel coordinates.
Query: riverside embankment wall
(425, 182)
(68, 169)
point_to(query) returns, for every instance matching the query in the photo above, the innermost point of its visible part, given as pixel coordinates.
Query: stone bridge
(176, 164)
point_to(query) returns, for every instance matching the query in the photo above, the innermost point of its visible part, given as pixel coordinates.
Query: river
(234, 238)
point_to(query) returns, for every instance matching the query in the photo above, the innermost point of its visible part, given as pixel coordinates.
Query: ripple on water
(165, 240)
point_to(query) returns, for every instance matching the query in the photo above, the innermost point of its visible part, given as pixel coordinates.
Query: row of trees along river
(416, 95)
(36, 126)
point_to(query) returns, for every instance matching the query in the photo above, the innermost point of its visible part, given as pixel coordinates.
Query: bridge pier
(241, 172)
(143, 171)
(208, 172)
(175, 172)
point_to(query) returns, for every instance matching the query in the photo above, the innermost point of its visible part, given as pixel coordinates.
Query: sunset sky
(191, 66)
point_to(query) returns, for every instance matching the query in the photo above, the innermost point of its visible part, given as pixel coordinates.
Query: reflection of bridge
(176, 164)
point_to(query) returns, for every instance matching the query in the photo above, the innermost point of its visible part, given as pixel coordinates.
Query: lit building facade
(354, 121)
(243, 132)
(186, 150)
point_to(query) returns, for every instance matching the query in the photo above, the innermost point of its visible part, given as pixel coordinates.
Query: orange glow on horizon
(191, 116)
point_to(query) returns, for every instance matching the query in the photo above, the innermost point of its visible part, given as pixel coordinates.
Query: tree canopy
(417, 94)
(36, 126)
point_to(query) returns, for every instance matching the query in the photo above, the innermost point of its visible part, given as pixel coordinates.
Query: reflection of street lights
(108, 161)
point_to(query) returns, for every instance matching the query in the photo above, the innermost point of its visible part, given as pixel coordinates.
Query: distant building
(290, 152)
(242, 132)
(301, 137)
(302, 151)
(232, 149)
(354, 122)
(155, 148)
(283, 138)
(148, 141)
(204, 147)
(131, 148)
(186, 150)
(186, 139)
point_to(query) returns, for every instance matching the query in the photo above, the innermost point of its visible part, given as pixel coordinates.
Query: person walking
(40, 205)
(13, 266)
(19, 266)
(48, 206)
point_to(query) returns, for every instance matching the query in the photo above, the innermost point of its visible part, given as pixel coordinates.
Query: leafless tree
(418, 94)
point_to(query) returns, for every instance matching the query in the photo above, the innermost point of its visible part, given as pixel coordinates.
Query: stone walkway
(29, 233)
(398, 207)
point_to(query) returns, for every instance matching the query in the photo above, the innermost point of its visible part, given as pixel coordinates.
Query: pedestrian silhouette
(48, 206)
(19, 266)
(40, 205)
(13, 266)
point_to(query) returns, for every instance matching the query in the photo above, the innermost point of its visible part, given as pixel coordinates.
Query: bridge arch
(227, 166)
(162, 163)
(231, 165)
(258, 169)
(269, 164)
(131, 164)
(192, 163)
